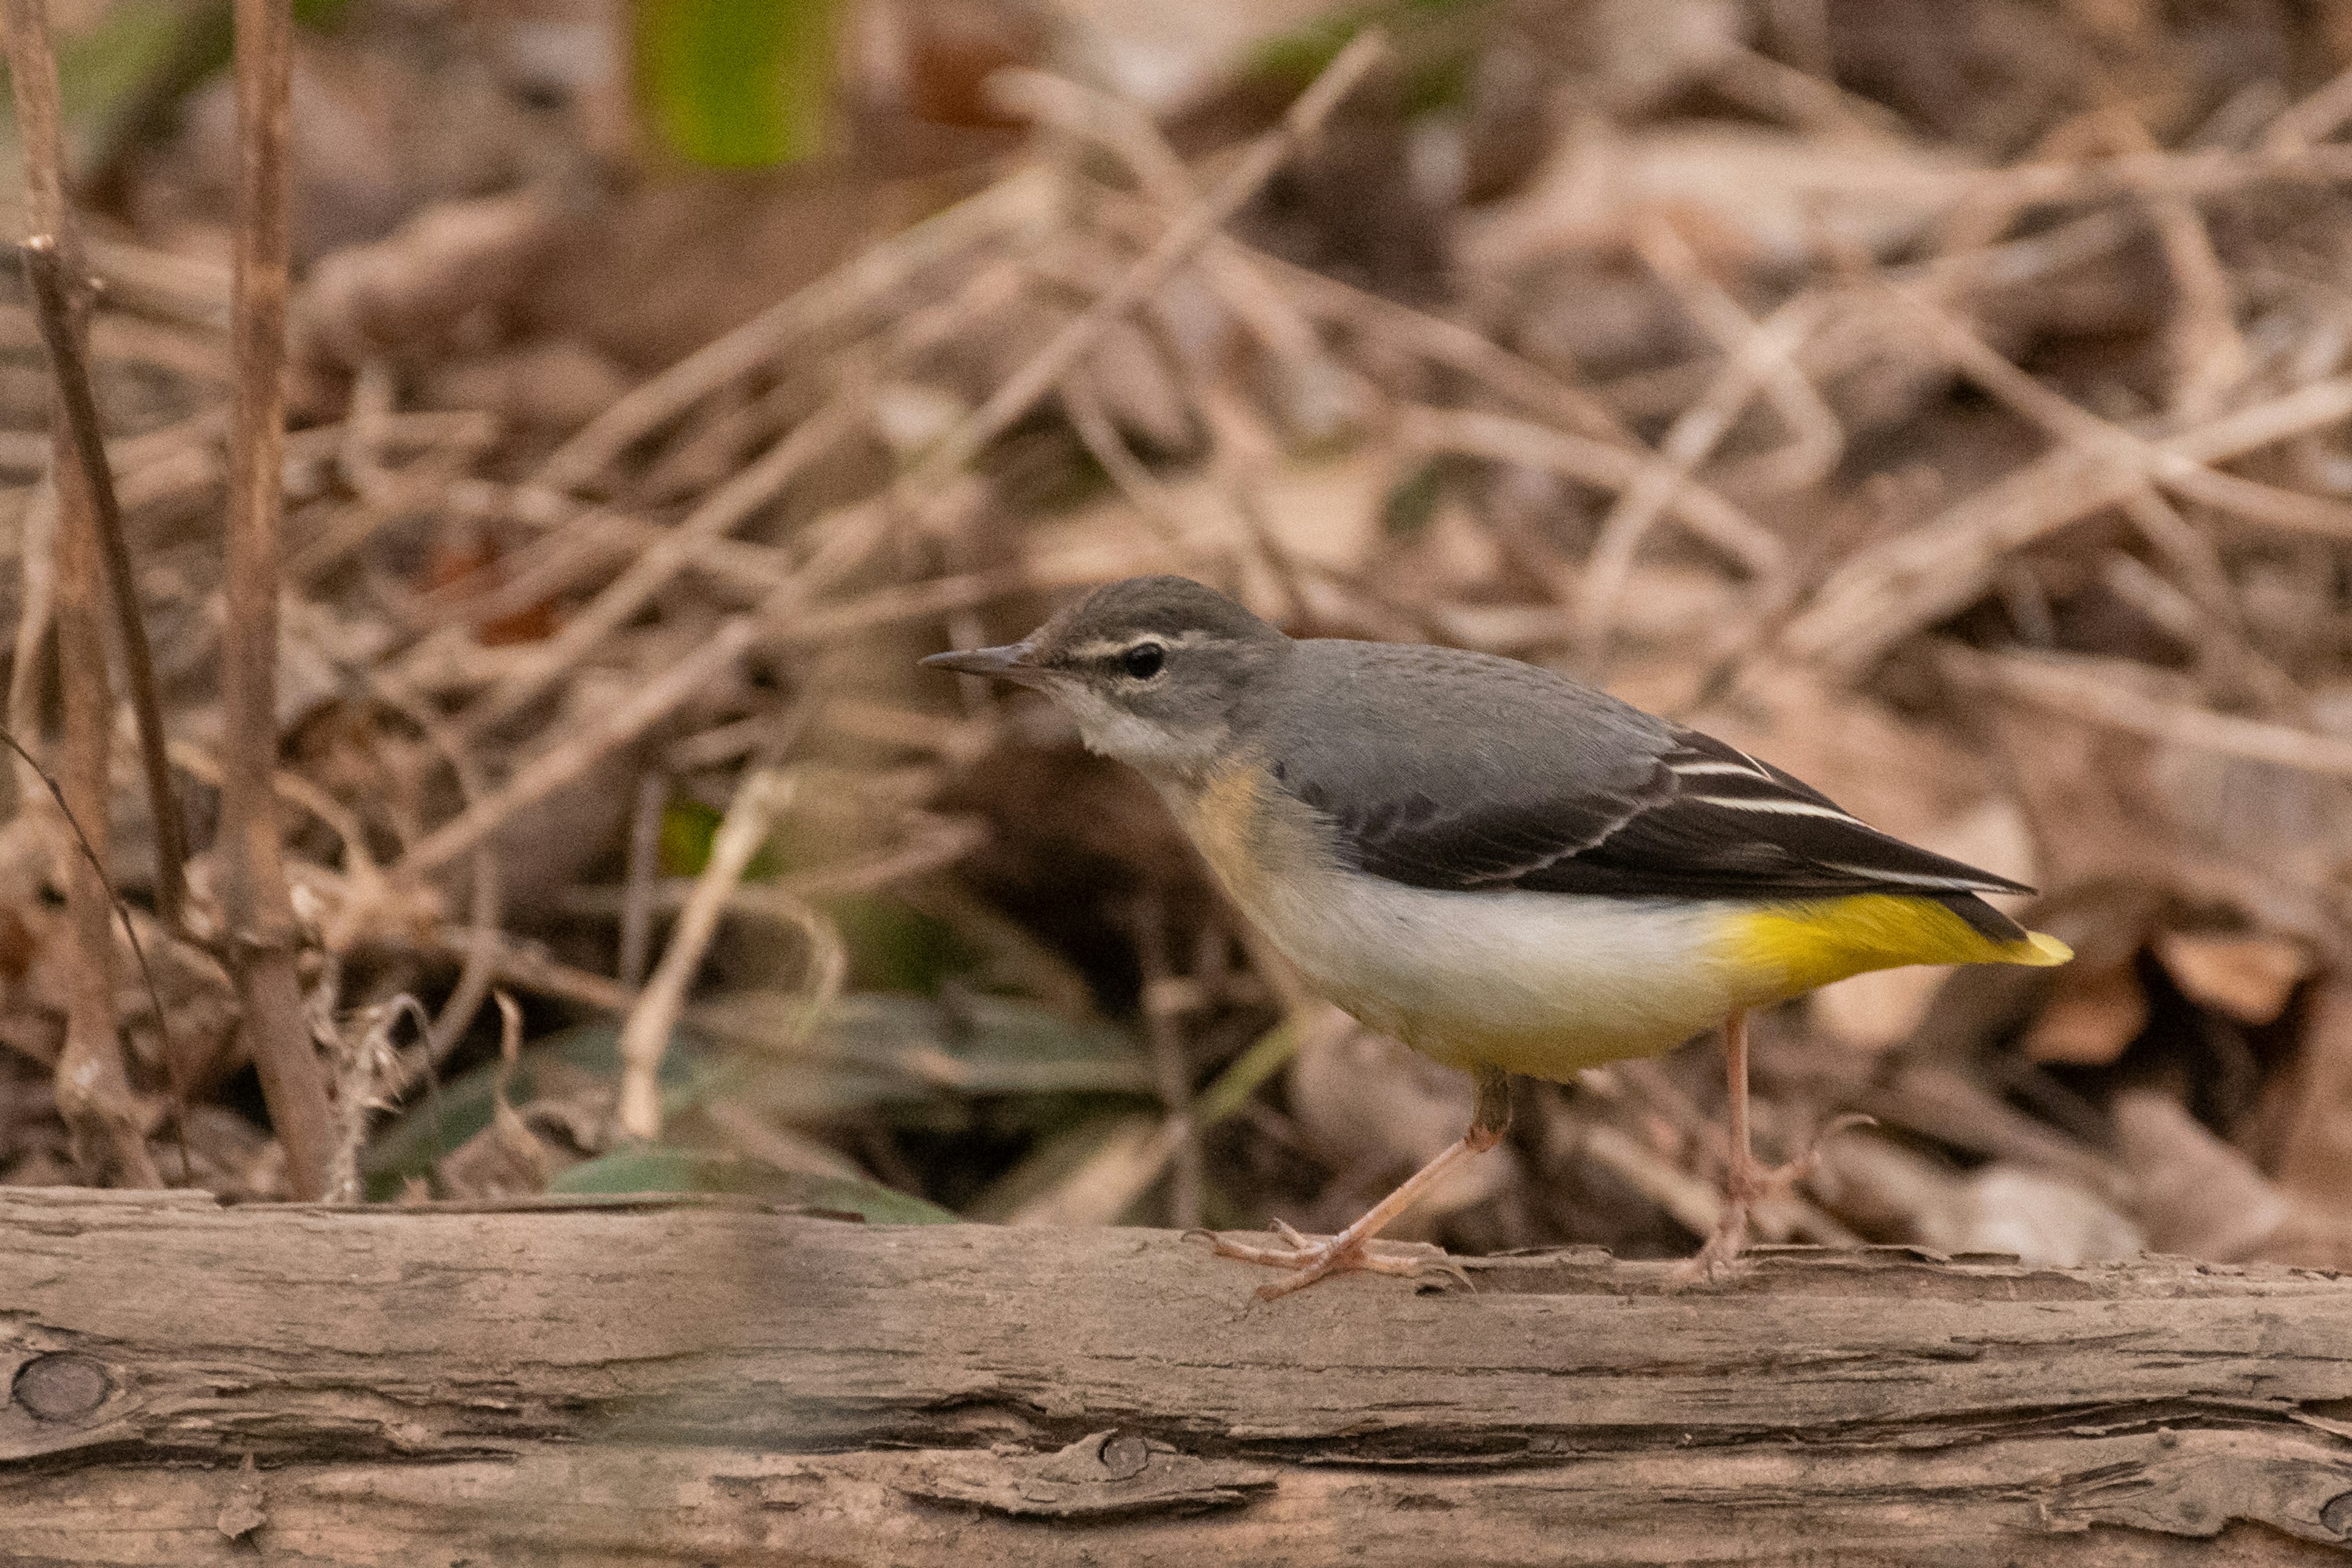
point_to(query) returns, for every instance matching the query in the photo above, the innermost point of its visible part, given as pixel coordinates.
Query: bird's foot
(1751, 1182)
(1340, 1254)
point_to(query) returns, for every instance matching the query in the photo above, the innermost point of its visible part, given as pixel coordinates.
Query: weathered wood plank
(625, 1381)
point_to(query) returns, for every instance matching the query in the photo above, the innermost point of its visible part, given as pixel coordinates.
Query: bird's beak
(1011, 662)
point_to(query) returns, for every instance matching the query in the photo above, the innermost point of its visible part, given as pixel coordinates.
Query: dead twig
(1501, 439)
(57, 315)
(1890, 591)
(262, 937)
(93, 1089)
(1163, 1006)
(875, 275)
(1045, 369)
(725, 509)
(2104, 692)
(758, 802)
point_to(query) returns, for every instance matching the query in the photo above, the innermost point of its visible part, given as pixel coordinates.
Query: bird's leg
(1747, 1181)
(1350, 1249)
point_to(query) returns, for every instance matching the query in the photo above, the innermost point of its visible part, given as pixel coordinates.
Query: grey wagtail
(1508, 871)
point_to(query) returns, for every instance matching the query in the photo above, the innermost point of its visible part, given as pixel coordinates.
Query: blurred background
(1946, 401)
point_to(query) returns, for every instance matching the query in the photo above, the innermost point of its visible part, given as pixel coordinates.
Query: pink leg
(1350, 1249)
(1748, 1181)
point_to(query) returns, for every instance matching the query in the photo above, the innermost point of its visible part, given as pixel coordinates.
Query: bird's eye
(1143, 660)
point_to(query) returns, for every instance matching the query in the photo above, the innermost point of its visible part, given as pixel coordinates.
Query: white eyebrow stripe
(1778, 807)
(1105, 647)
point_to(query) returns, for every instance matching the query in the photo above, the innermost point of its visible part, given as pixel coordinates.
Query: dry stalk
(543, 775)
(60, 315)
(758, 801)
(2101, 691)
(725, 509)
(36, 564)
(1153, 501)
(1890, 591)
(1021, 201)
(366, 1066)
(2197, 176)
(1182, 240)
(1163, 1006)
(948, 840)
(846, 539)
(2244, 498)
(1693, 437)
(1116, 125)
(1500, 438)
(643, 867)
(262, 936)
(2185, 547)
(2315, 117)
(93, 1091)
(2208, 357)
(1816, 439)
(480, 968)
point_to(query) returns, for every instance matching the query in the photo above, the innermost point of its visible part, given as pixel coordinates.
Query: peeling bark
(623, 1382)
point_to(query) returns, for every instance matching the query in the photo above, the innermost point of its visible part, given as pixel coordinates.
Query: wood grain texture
(616, 1382)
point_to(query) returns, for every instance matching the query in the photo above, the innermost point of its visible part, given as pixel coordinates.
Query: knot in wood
(1123, 1456)
(2337, 1515)
(60, 1387)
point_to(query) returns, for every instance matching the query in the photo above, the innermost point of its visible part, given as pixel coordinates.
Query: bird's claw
(1340, 1254)
(1747, 1183)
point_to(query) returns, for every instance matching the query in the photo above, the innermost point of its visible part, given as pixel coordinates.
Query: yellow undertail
(1792, 947)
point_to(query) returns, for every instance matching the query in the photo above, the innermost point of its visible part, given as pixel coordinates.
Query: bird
(1507, 869)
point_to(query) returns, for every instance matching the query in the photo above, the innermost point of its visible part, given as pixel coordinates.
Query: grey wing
(1443, 769)
(1503, 781)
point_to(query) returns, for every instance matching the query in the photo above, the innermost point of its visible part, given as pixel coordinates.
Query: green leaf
(442, 1119)
(749, 1048)
(653, 1168)
(893, 946)
(688, 828)
(738, 84)
(895, 1046)
(1435, 42)
(1411, 504)
(1231, 1089)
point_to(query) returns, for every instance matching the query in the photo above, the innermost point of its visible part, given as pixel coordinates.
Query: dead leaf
(1759, 195)
(2042, 1218)
(2196, 1196)
(1874, 1011)
(2314, 1159)
(1088, 1175)
(2248, 976)
(2091, 1016)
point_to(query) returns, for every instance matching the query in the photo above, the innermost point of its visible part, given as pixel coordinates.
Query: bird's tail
(1814, 942)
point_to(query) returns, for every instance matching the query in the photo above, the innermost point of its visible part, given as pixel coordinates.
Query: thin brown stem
(262, 935)
(55, 296)
(93, 1089)
(1171, 1074)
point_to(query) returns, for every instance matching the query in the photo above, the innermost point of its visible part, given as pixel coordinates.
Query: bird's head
(1152, 668)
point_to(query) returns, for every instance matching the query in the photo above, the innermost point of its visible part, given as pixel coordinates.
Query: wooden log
(602, 1383)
